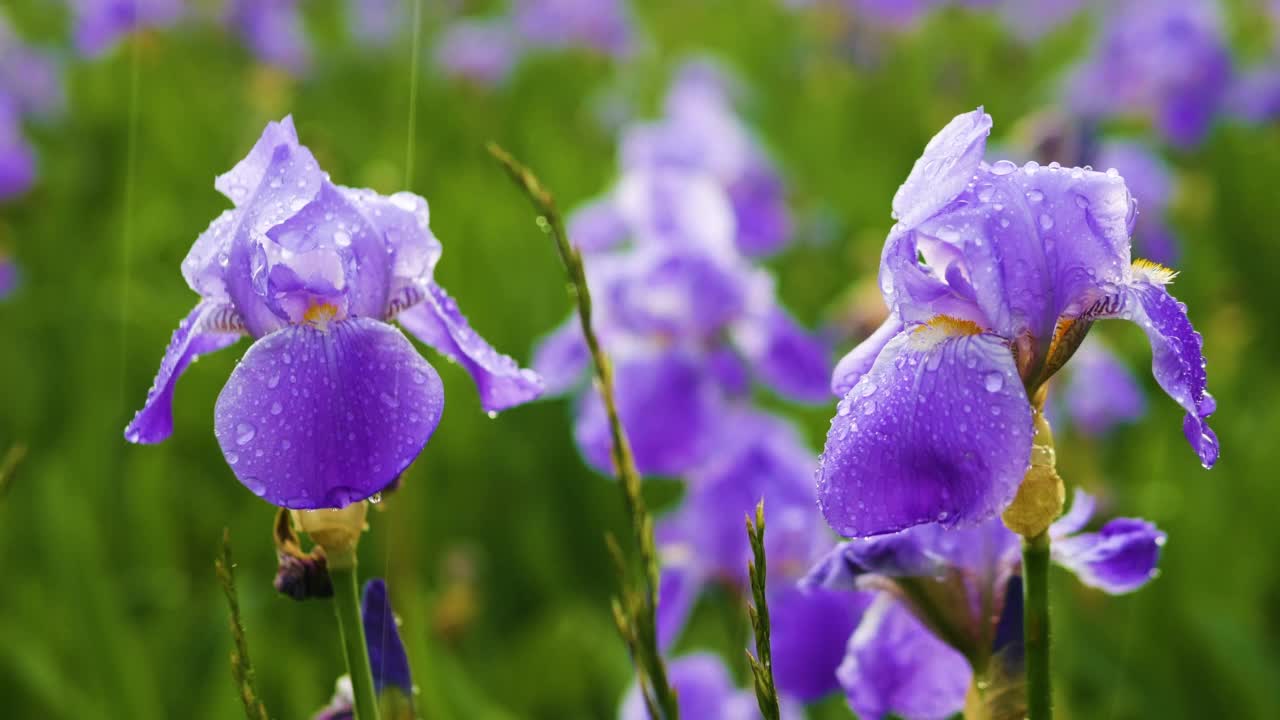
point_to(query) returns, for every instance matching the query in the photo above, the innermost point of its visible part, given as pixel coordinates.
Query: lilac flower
(273, 30)
(100, 23)
(701, 132)
(481, 51)
(601, 25)
(387, 658)
(1098, 391)
(946, 597)
(704, 690)
(331, 403)
(1166, 60)
(993, 274)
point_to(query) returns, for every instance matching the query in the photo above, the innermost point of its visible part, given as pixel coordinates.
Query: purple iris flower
(273, 30)
(701, 132)
(704, 690)
(1150, 182)
(376, 22)
(1030, 20)
(387, 659)
(946, 597)
(601, 25)
(481, 51)
(1098, 391)
(331, 402)
(688, 322)
(1166, 60)
(100, 23)
(993, 274)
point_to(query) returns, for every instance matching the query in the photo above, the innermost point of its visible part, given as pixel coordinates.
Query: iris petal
(853, 366)
(938, 430)
(788, 358)
(894, 665)
(809, 632)
(500, 381)
(323, 418)
(204, 330)
(386, 652)
(949, 160)
(562, 357)
(1118, 559)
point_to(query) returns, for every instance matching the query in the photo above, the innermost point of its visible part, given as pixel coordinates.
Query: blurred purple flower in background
(30, 89)
(944, 596)
(1166, 60)
(1098, 391)
(375, 23)
(99, 24)
(273, 30)
(8, 276)
(993, 273)
(331, 403)
(480, 51)
(17, 158)
(706, 691)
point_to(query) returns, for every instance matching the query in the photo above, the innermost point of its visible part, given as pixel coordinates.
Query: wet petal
(1118, 559)
(239, 183)
(786, 357)
(854, 365)
(894, 665)
(320, 419)
(1177, 350)
(210, 326)
(386, 652)
(500, 381)
(810, 630)
(938, 430)
(669, 408)
(404, 222)
(561, 358)
(949, 160)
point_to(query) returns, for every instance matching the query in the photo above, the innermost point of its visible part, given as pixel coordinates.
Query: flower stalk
(241, 667)
(635, 611)
(346, 601)
(762, 662)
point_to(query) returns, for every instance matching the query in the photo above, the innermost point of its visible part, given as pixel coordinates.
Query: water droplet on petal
(993, 381)
(276, 408)
(1003, 167)
(1046, 222)
(245, 433)
(342, 238)
(255, 485)
(375, 498)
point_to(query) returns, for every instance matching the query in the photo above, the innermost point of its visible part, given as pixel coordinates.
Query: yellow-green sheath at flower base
(636, 609)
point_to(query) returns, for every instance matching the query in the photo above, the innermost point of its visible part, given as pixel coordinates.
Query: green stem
(1035, 628)
(346, 600)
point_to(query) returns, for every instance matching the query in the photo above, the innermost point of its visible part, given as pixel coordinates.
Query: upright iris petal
(331, 402)
(993, 274)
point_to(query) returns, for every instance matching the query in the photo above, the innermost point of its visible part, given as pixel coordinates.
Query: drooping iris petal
(949, 160)
(500, 381)
(1120, 558)
(561, 357)
(1177, 355)
(386, 653)
(1099, 390)
(810, 630)
(854, 365)
(785, 356)
(939, 430)
(667, 409)
(210, 326)
(322, 418)
(894, 665)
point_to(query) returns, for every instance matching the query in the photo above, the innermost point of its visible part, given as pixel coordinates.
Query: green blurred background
(493, 550)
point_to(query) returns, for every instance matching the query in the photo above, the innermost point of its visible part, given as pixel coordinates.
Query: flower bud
(1041, 495)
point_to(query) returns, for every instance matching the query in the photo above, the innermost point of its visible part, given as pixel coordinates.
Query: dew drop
(274, 380)
(389, 401)
(993, 381)
(1035, 196)
(1003, 167)
(375, 498)
(276, 408)
(245, 433)
(493, 414)
(342, 238)
(256, 486)
(1046, 222)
